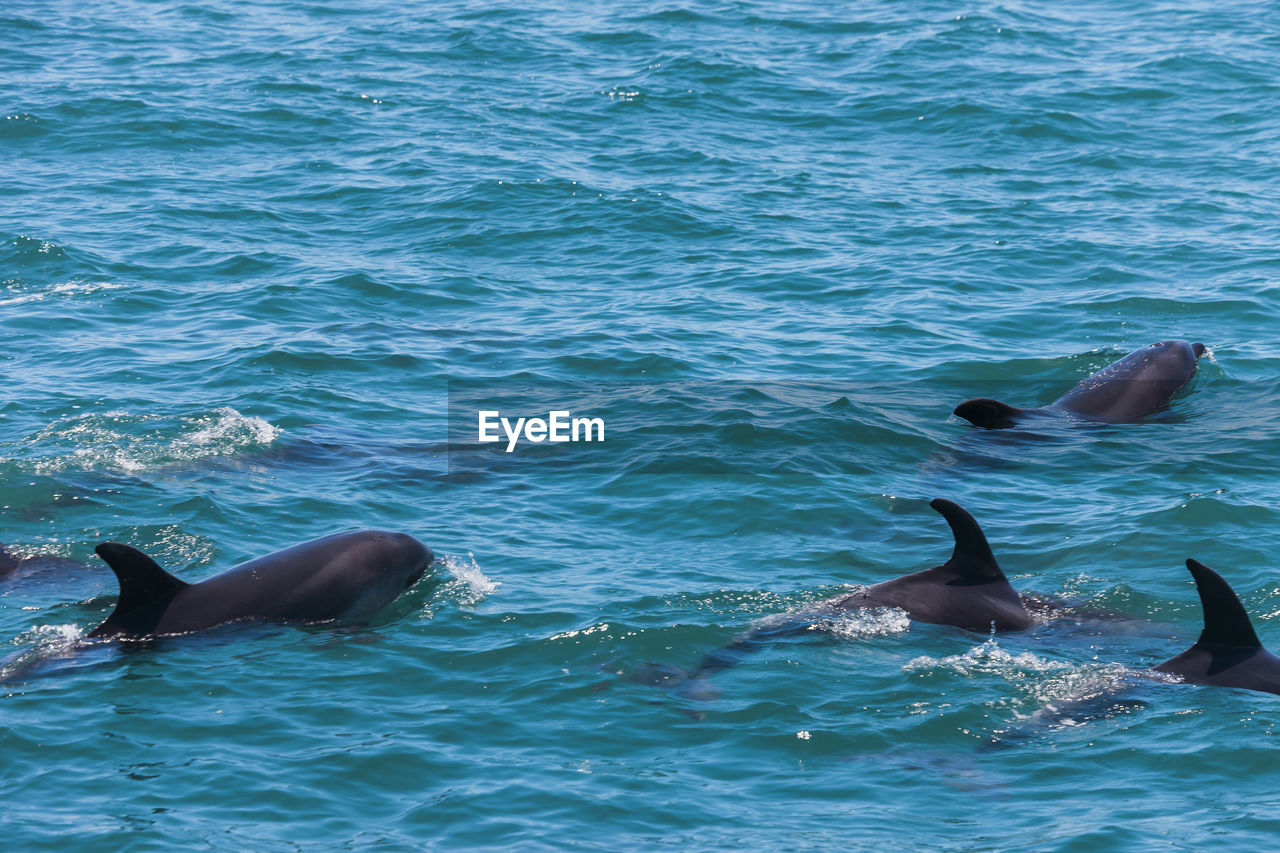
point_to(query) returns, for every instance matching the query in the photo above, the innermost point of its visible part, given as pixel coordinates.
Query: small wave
(133, 443)
(469, 585)
(22, 296)
(581, 632)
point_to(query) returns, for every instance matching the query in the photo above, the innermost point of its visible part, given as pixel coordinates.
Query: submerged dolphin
(12, 563)
(1127, 390)
(343, 576)
(1228, 653)
(968, 590)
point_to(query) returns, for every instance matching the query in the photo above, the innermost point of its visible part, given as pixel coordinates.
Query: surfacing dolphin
(1228, 653)
(1131, 388)
(968, 591)
(12, 563)
(345, 576)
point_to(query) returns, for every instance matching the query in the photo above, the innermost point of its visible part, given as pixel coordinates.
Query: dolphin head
(1186, 350)
(409, 552)
(367, 569)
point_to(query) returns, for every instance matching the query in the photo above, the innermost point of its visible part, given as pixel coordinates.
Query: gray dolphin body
(1228, 653)
(1131, 388)
(968, 591)
(11, 563)
(340, 577)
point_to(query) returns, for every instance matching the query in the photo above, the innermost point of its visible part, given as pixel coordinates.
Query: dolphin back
(145, 591)
(1136, 385)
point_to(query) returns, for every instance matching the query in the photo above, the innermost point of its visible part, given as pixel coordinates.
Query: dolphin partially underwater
(1130, 389)
(968, 591)
(1228, 652)
(345, 576)
(12, 563)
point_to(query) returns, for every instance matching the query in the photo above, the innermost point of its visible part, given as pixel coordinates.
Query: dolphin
(12, 563)
(343, 576)
(9, 561)
(1228, 653)
(968, 590)
(1131, 388)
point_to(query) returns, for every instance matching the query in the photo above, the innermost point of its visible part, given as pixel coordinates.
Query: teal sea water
(256, 260)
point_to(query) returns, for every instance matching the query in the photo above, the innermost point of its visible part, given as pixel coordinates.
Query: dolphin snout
(420, 569)
(402, 551)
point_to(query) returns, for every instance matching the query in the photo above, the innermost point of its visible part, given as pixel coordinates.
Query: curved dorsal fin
(145, 591)
(1226, 622)
(972, 557)
(988, 413)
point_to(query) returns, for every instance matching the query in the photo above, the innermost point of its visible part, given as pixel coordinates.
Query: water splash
(865, 622)
(132, 443)
(468, 585)
(17, 296)
(987, 658)
(39, 647)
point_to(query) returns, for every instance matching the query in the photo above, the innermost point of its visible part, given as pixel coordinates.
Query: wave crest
(122, 441)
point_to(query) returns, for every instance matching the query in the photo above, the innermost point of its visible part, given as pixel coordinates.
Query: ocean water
(261, 264)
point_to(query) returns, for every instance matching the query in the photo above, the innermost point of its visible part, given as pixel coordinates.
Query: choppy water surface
(250, 254)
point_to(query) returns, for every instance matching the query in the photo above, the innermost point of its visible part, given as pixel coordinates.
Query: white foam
(66, 288)
(988, 658)
(1080, 683)
(865, 622)
(225, 424)
(594, 629)
(51, 638)
(39, 646)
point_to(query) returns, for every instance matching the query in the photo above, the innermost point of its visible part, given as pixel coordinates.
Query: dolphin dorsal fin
(145, 590)
(1226, 622)
(972, 557)
(988, 413)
